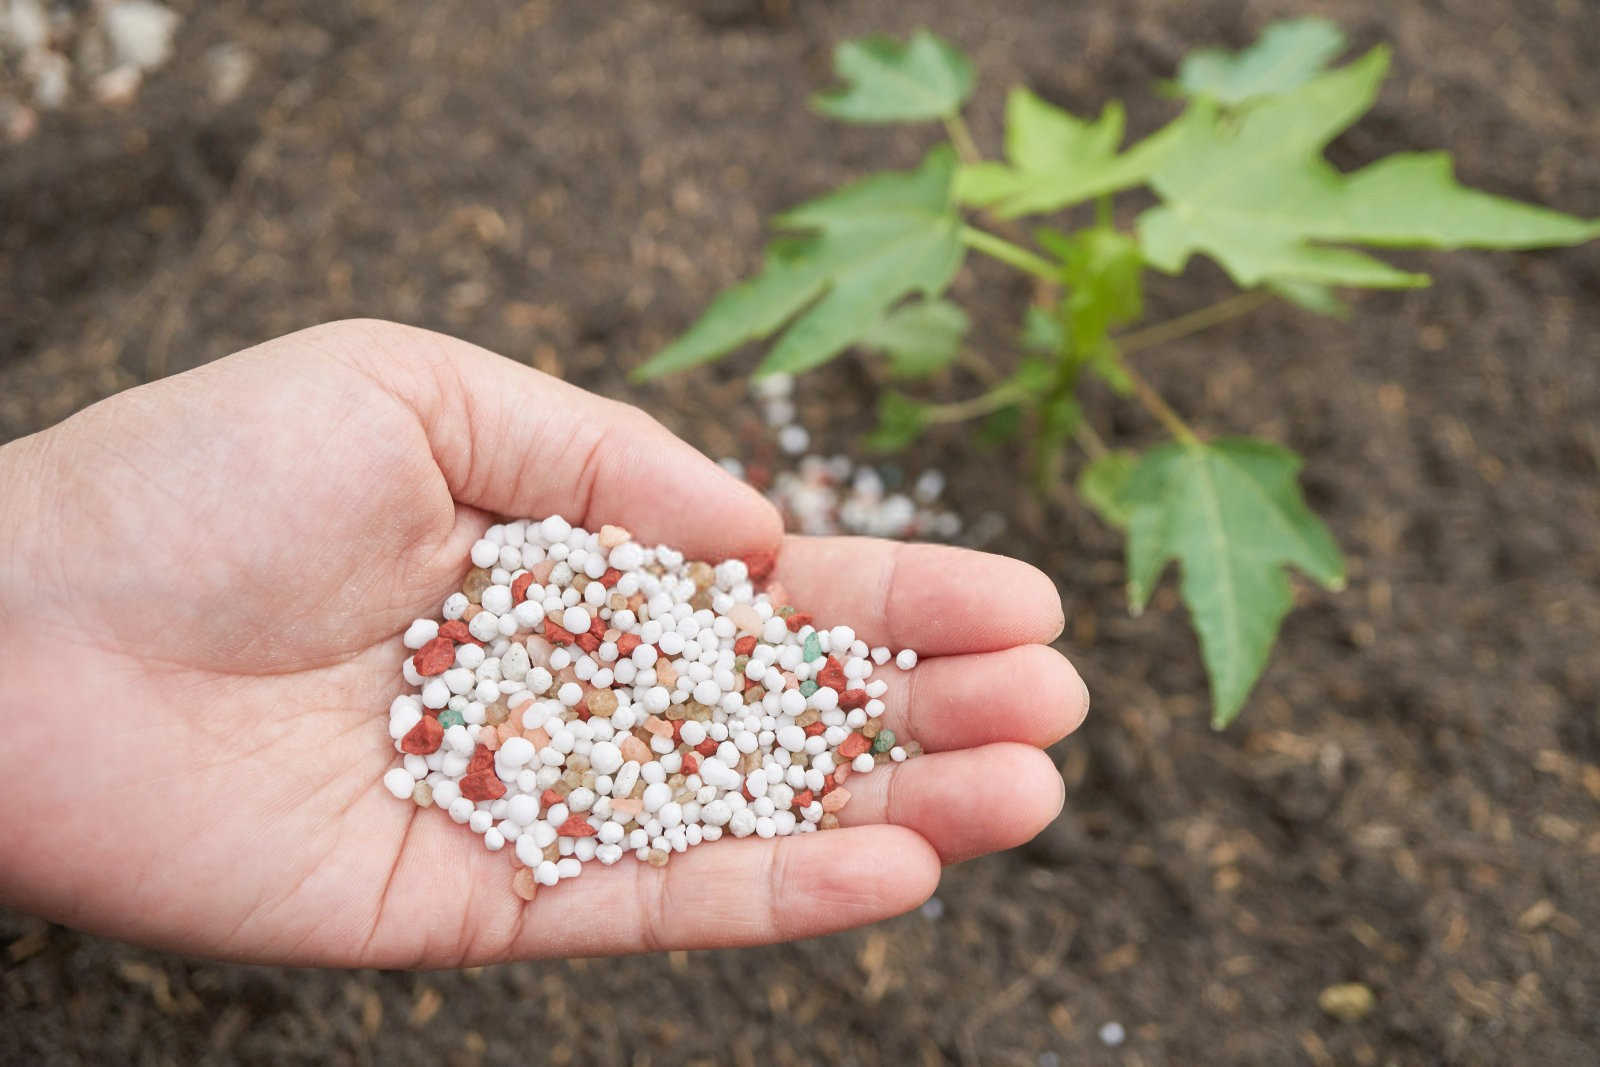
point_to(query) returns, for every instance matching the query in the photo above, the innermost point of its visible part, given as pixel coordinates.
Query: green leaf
(1102, 483)
(901, 421)
(887, 81)
(1103, 363)
(868, 246)
(1000, 426)
(1033, 383)
(1059, 417)
(1103, 269)
(1254, 193)
(1042, 332)
(1034, 376)
(920, 338)
(1310, 296)
(1230, 512)
(1056, 159)
(1289, 54)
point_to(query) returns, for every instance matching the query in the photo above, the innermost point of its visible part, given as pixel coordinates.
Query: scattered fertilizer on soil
(585, 696)
(825, 495)
(51, 52)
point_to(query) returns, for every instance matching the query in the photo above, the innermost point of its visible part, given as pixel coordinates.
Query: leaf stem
(1192, 322)
(956, 128)
(1006, 252)
(1090, 441)
(1103, 215)
(979, 365)
(982, 404)
(1158, 407)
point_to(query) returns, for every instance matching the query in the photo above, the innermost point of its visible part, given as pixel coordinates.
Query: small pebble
(1112, 1034)
(1349, 1001)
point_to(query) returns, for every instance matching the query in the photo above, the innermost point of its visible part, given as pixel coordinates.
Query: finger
(1030, 694)
(964, 803)
(932, 598)
(516, 442)
(732, 893)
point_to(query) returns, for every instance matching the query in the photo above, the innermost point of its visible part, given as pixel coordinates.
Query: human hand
(204, 581)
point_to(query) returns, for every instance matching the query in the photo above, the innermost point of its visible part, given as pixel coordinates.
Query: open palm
(203, 582)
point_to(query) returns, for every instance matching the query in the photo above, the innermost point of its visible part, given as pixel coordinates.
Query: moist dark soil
(1410, 800)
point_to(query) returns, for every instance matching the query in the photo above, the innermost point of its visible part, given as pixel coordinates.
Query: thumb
(517, 442)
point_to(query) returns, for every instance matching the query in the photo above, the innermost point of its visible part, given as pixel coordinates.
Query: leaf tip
(822, 102)
(1224, 712)
(1377, 56)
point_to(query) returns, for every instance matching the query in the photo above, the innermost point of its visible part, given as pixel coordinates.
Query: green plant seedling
(1239, 176)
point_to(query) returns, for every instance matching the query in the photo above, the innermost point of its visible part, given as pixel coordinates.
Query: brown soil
(1411, 798)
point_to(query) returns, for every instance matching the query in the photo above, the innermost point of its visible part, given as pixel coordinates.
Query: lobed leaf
(865, 248)
(1310, 296)
(886, 81)
(1288, 54)
(1231, 514)
(1102, 482)
(1255, 194)
(1055, 159)
(920, 338)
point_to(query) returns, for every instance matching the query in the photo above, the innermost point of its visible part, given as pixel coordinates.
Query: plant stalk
(955, 127)
(982, 404)
(1192, 322)
(1158, 407)
(979, 365)
(1090, 441)
(1006, 252)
